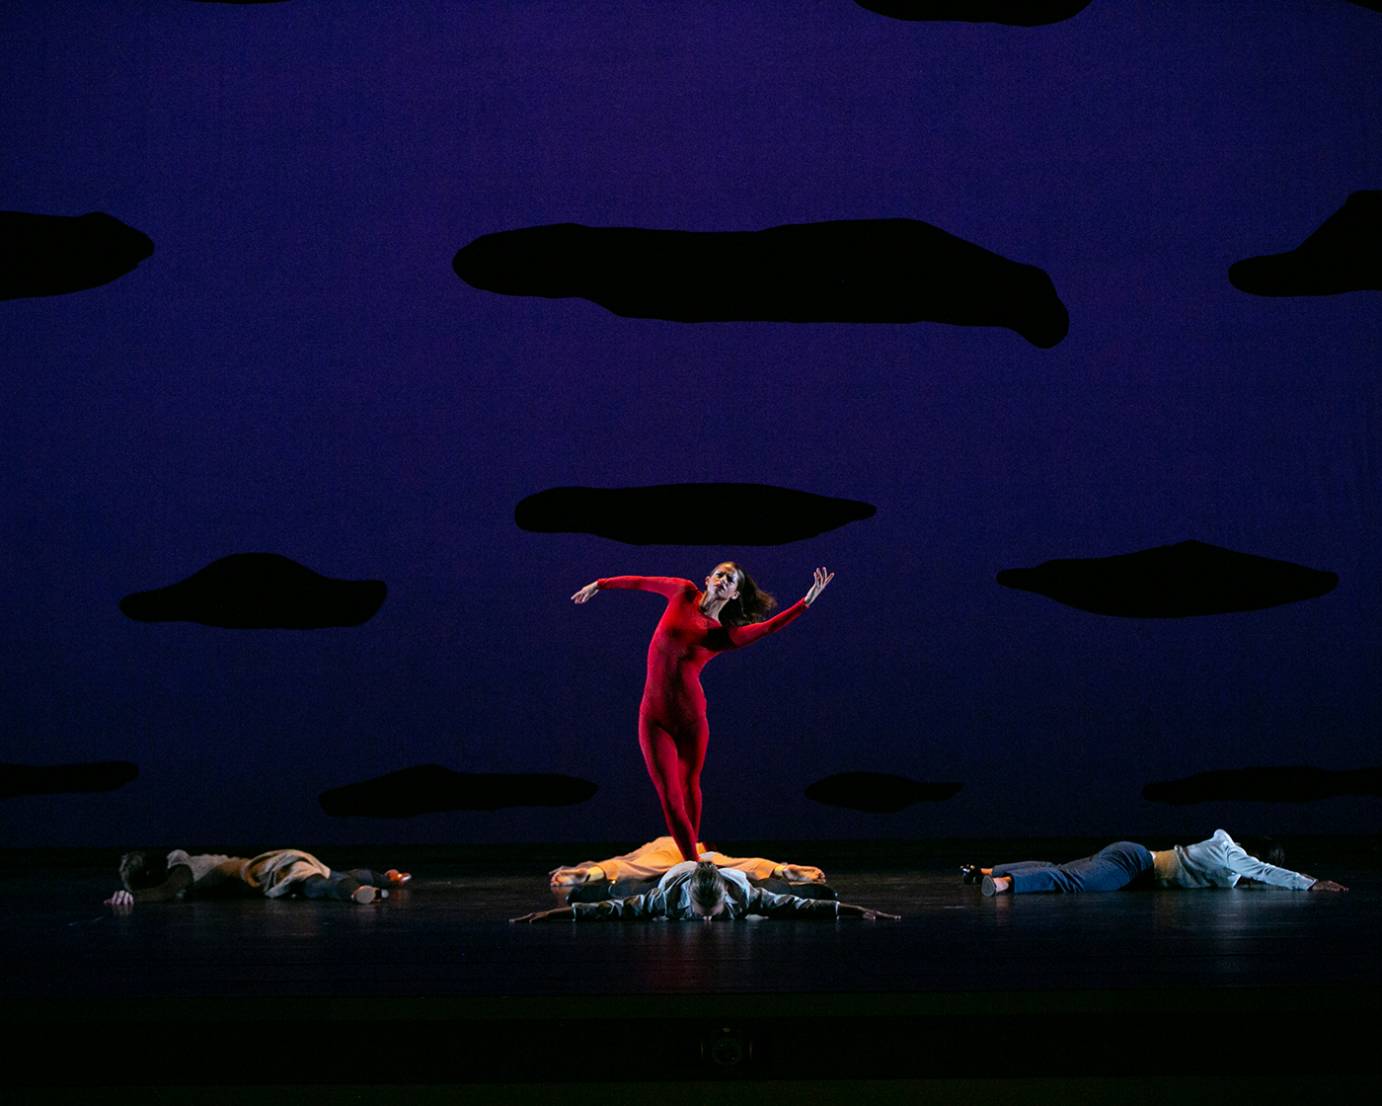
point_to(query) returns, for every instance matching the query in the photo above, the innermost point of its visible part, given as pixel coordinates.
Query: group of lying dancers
(675, 877)
(653, 881)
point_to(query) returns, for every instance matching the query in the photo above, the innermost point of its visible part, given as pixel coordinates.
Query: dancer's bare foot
(996, 885)
(364, 894)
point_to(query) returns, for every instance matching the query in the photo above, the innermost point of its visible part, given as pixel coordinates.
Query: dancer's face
(723, 582)
(707, 915)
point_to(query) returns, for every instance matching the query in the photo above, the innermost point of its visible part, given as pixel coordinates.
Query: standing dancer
(672, 728)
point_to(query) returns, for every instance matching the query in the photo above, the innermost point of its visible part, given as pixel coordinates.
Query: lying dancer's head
(143, 868)
(707, 890)
(747, 602)
(1264, 848)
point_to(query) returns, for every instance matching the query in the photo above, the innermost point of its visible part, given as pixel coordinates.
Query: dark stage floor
(1253, 989)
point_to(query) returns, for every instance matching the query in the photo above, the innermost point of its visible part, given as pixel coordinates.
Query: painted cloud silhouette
(53, 255)
(259, 591)
(675, 514)
(854, 271)
(1343, 254)
(1172, 581)
(877, 792)
(429, 788)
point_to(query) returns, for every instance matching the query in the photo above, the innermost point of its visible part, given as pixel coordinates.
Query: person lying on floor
(149, 875)
(697, 890)
(639, 870)
(1218, 861)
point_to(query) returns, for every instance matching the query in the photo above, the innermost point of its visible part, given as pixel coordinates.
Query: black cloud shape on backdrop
(430, 788)
(676, 514)
(1293, 784)
(1017, 13)
(52, 255)
(57, 779)
(854, 271)
(1344, 254)
(259, 591)
(877, 792)
(1172, 581)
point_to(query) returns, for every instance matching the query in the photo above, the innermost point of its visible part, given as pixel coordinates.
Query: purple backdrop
(297, 370)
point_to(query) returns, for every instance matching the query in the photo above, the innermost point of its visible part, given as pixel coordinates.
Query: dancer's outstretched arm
(1238, 859)
(628, 909)
(747, 635)
(773, 905)
(662, 585)
(557, 914)
(868, 914)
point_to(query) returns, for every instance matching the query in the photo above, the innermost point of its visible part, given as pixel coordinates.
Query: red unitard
(672, 728)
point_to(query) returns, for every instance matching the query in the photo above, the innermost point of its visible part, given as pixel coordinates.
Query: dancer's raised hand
(583, 596)
(821, 579)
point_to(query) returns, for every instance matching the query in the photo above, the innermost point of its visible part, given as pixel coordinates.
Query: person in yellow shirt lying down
(641, 868)
(701, 890)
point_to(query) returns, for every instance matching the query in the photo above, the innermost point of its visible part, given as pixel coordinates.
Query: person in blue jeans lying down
(1218, 861)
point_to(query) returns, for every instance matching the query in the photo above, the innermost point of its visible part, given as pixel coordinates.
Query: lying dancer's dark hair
(707, 888)
(1265, 848)
(752, 604)
(143, 868)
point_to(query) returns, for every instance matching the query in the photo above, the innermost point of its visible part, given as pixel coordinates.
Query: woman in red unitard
(672, 728)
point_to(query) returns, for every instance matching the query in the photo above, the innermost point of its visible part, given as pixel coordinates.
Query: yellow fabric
(652, 859)
(1167, 867)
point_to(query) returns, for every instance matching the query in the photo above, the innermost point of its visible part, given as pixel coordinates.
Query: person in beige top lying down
(150, 875)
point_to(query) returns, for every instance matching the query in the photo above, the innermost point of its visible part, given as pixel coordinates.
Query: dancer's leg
(664, 769)
(372, 877)
(341, 887)
(691, 747)
(1110, 869)
(999, 879)
(1020, 866)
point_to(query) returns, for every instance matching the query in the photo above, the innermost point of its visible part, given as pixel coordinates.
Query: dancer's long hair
(1265, 848)
(752, 604)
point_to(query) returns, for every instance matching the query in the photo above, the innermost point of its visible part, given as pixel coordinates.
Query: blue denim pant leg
(340, 885)
(366, 875)
(1110, 869)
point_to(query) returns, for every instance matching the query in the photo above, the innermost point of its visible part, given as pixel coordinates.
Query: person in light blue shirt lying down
(1218, 861)
(699, 891)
